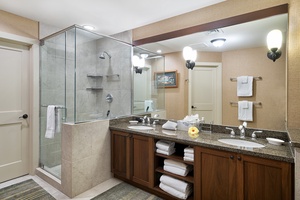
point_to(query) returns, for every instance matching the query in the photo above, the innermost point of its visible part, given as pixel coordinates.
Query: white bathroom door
(14, 103)
(205, 92)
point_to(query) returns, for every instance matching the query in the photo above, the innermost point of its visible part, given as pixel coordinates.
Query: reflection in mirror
(147, 97)
(244, 53)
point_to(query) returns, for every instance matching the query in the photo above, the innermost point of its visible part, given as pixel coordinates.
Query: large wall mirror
(244, 53)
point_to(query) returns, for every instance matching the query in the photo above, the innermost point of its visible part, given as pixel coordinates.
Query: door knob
(194, 107)
(25, 116)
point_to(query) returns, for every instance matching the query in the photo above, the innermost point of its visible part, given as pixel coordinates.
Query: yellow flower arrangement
(193, 132)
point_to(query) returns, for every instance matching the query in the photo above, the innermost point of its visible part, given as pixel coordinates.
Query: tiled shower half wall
(77, 81)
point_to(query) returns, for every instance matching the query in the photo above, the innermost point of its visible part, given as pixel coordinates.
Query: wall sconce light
(274, 41)
(190, 56)
(138, 64)
(218, 42)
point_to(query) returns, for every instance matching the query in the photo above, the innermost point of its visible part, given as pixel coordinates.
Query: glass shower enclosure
(84, 76)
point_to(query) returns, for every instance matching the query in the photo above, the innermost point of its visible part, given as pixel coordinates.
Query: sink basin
(241, 143)
(142, 128)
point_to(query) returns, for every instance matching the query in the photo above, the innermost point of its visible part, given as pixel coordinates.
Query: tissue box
(183, 125)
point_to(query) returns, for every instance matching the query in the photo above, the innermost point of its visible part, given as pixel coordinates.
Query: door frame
(218, 66)
(33, 119)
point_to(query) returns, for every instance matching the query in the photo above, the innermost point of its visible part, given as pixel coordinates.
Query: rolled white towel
(188, 159)
(176, 170)
(189, 150)
(172, 163)
(170, 152)
(164, 145)
(170, 125)
(173, 191)
(179, 185)
(190, 155)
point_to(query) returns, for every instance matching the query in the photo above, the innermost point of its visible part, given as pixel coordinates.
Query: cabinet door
(264, 179)
(215, 174)
(143, 160)
(120, 150)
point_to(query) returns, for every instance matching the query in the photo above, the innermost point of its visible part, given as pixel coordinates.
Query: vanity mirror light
(243, 53)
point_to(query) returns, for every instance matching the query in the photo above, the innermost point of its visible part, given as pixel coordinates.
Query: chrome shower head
(102, 55)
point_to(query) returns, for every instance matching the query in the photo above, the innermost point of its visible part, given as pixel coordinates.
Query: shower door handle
(25, 116)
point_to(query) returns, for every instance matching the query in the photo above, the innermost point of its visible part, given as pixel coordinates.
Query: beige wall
(270, 91)
(231, 8)
(17, 25)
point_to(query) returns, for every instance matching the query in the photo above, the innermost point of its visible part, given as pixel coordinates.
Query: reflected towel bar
(58, 107)
(258, 78)
(254, 103)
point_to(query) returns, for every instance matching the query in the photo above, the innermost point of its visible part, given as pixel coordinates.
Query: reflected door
(14, 103)
(205, 93)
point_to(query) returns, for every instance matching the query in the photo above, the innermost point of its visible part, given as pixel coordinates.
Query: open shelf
(175, 157)
(191, 197)
(189, 178)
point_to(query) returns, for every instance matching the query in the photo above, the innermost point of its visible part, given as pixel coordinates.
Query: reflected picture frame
(167, 79)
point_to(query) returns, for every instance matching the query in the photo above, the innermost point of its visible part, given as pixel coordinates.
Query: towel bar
(58, 107)
(258, 78)
(254, 103)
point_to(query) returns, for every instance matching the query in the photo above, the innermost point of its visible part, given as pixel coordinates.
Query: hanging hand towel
(244, 86)
(50, 122)
(245, 110)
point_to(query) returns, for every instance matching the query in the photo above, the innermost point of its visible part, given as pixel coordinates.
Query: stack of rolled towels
(175, 187)
(188, 154)
(165, 147)
(175, 167)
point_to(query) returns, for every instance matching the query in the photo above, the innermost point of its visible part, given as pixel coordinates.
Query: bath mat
(124, 191)
(26, 190)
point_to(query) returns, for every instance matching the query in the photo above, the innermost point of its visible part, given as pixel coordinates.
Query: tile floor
(60, 196)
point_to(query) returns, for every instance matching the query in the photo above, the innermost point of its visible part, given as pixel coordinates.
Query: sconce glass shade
(218, 42)
(135, 60)
(187, 53)
(274, 39)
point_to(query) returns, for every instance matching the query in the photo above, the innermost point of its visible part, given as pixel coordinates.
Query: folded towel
(189, 155)
(245, 110)
(188, 159)
(244, 86)
(179, 185)
(164, 145)
(174, 192)
(176, 170)
(50, 130)
(169, 132)
(172, 163)
(170, 152)
(189, 150)
(170, 125)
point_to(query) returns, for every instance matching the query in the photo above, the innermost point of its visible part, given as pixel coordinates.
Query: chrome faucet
(242, 129)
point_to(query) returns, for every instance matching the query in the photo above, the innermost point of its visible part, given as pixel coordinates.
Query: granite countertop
(210, 140)
(294, 135)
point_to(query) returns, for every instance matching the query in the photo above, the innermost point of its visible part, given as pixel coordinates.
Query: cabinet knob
(231, 157)
(239, 158)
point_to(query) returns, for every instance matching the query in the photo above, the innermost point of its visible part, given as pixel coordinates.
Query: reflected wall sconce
(138, 64)
(218, 42)
(274, 41)
(190, 56)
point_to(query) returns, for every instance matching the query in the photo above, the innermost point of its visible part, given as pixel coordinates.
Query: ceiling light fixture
(158, 51)
(274, 41)
(190, 56)
(88, 27)
(218, 42)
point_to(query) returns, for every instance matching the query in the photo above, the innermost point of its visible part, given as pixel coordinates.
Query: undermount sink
(142, 128)
(241, 143)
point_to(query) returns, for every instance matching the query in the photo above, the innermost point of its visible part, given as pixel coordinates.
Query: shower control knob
(25, 116)
(194, 107)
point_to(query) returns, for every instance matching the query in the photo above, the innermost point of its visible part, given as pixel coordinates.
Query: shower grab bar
(254, 103)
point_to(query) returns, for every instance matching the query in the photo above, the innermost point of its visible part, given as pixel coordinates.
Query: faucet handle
(254, 135)
(232, 133)
(155, 122)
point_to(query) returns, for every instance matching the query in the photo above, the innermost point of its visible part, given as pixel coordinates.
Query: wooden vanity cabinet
(132, 157)
(226, 175)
